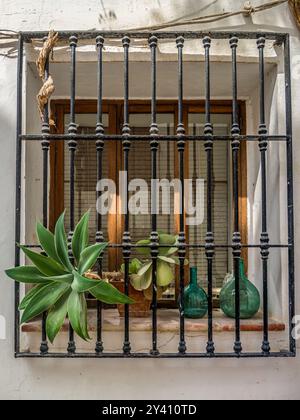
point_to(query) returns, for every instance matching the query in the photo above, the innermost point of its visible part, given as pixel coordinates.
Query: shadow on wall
(107, 16)
(158, 15)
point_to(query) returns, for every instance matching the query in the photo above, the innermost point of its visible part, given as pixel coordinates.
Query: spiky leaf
(107, 293)
(45, 265)
(57, 316)
(27, 274)
(61, 244)
(82, 284)
(77, 312)
(44, 300)
(30, 295)
(47, 241)
(89, 257)
(80, 239)
(65, 278)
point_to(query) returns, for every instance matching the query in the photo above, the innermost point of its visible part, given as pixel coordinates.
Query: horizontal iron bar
(190, 246)
(278, 36)
(94, 137)
(152, 356)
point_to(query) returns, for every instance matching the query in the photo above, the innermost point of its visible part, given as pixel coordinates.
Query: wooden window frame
(59, 108)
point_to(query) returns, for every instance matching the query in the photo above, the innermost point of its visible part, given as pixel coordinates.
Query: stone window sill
(168, 322)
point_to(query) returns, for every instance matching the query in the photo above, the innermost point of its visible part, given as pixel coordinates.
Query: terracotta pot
(140, 309)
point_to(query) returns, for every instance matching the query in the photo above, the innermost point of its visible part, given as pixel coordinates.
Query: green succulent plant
(60, 282)
(134, 266)
(141, 279)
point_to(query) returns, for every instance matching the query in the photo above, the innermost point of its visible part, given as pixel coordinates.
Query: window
(195, 160)
(194, 135)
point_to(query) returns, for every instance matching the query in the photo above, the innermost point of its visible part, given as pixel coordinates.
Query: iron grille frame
(263, 139)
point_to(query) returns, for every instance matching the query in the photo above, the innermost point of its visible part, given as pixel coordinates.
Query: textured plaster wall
(173, 379)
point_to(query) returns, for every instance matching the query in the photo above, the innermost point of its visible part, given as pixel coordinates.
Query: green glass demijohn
(249, 296)
(195, 298)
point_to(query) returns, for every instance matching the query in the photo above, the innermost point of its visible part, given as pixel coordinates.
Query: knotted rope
(48, 87)
(248, 9)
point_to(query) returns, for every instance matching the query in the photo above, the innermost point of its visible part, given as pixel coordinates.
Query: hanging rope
(48, 87)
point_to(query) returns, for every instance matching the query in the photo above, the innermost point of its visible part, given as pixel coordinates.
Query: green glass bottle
(195, 298)
(249, 296)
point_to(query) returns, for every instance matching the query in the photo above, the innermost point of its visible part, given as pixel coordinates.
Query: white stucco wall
(172, 379)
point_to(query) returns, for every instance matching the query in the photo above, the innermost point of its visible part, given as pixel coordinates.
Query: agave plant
(141, 273)
(60, 282)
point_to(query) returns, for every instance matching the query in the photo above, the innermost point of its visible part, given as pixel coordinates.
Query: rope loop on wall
(248, 9)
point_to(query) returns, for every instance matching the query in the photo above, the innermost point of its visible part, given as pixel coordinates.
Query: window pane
(221, 195)
(85, 175)
(140, 168)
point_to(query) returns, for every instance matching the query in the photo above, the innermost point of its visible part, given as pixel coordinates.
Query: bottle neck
(243, 277)
(194, 276)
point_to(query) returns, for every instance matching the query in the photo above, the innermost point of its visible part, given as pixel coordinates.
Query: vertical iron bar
(264, 239)
(236, 240)
(290, 190)
(154, 144)
(126, 149)
(209, 246)
(44, 348)
(99, 146)
(72, 148)
(181, 151)
(18, 184)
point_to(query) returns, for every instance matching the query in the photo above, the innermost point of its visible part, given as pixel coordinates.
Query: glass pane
(140, 168)
(221, 195)
(85, 174)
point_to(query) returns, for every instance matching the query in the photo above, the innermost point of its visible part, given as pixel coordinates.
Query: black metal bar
(290, 191)
(210, 250)
(18, 184)
(236, 239)
(264, 239)
(161, 138)
(194, 246)
(44, 348)
(100, 147)
(126, 149)
(154, 144)
(276, 36)
(181, 151)
(159, 356)
(72, 149)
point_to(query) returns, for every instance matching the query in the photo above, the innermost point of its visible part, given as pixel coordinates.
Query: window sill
(168, 322)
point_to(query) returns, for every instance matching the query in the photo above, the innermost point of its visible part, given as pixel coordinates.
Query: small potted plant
(141, 287)
(60, 282)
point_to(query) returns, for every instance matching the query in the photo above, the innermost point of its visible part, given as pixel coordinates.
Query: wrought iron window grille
(154, 138)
